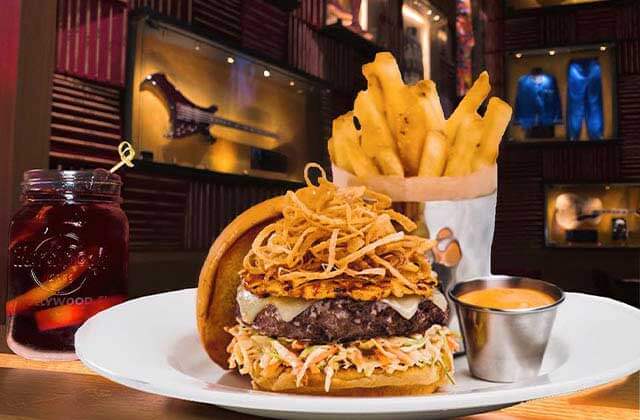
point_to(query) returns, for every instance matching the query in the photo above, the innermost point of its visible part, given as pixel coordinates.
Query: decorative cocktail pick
(127, 153)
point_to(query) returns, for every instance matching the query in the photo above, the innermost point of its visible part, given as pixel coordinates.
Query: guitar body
(575, 212)
(185, 117)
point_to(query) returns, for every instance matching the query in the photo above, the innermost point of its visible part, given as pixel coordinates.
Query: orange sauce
(507, 298)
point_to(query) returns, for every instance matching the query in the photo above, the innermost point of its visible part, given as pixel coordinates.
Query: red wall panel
(629, 57)
(559, 28)
(629, 108)
(595, 24)
(574, 162)
(522, 33)
(177, 9)
(221, 17)
(85, 123)
(91, 40)
(211, 206)
(311, 12)
(628, 21)
(264, 29)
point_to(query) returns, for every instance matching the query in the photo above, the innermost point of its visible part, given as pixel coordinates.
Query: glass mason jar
(68, 257)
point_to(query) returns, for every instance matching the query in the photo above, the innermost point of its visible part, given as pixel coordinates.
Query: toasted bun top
(219, 280)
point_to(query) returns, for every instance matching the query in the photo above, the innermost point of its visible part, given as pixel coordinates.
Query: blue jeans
(584, 98)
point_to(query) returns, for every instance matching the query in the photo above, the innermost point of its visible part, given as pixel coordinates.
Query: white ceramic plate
(151, 344)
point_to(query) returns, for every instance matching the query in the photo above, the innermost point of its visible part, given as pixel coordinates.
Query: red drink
(68, 256)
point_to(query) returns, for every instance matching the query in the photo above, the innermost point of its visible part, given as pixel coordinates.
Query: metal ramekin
(505, 345)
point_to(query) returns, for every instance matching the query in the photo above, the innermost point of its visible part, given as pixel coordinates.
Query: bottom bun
(413, 381)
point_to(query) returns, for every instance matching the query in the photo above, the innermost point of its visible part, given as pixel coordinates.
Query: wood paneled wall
(525, 168)
(85, 122)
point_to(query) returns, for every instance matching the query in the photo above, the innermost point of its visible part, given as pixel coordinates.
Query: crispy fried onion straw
(335, 242)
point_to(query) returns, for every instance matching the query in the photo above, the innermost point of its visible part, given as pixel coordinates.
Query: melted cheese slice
(251, 305)
(407, 306)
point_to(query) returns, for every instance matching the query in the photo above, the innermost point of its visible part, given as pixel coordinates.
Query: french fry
(375, 136)
(495, 120)
(397, 97)
(342, 155)
(429, 99)
(343, 131)
(331, 148)
(469, 104)
(410, 140)
(425, 115)
(402, 130)
(465, 146)
(374, 86)
(434, 154)
(362, 164)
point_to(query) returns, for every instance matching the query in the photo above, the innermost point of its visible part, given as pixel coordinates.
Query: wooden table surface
(68, 390)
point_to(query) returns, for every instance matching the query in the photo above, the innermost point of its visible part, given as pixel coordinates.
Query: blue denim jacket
(537, 101)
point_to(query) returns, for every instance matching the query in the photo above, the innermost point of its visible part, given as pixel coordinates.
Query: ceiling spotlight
(429, 12)
(292, 83)
(552, 52)
(603, 48)
(436, 18)
(266, 73)
(518, 55)
(230, 60)
(197, 47)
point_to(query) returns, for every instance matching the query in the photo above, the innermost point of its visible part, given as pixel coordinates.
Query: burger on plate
(323, 290)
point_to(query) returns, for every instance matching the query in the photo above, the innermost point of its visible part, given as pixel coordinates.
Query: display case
(562, 94)
(426, 40)
(200, 104)
(593, 215)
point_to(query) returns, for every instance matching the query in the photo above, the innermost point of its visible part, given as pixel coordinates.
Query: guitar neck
(243, 127)
(185, 112)
(613, 211)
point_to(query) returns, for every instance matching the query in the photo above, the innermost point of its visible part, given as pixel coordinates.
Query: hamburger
(324, 290)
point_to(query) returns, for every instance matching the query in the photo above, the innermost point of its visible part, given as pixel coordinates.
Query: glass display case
(562, 93)
(593, 215)
(426, 39)
(198, 104)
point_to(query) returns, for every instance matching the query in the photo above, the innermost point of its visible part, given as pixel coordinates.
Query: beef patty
(345, 319)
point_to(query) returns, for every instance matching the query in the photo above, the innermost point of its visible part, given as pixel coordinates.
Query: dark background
(524, 169)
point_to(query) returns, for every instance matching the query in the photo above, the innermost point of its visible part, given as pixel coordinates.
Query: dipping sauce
(507, 298)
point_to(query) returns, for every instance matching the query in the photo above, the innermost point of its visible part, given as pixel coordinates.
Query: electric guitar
(187, 118)
(573, 211)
